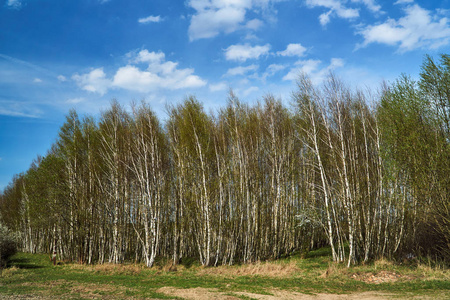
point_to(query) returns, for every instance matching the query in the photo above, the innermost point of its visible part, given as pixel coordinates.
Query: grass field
(32, 276)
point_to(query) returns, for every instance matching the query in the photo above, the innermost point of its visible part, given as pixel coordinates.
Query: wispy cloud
(404, 1)
(14, 4)
(240, 70)
(19, 109)
(335, 7)
(419, 28)
(75, 100)
(311, 67)
(150, 19)
(371, 4)
(26, 64)
(221, 86)
(226, 16)
(62, 78)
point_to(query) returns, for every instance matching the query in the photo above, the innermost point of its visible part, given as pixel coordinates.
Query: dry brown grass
(430, 273)
(333, 270)
(110, 269)
(383, 264)
(9, 272)
(267, 269)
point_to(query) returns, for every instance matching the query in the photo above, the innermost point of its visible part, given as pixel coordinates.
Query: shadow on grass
(325, 251)
(23, 263)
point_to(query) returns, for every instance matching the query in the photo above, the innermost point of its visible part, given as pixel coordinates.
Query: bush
(8, 244)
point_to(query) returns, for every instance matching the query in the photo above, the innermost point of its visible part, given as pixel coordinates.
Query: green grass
(34, 275)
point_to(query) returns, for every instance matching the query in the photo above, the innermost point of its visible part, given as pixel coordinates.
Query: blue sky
(61, 54)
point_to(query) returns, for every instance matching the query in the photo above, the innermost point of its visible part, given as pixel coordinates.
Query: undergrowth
(34, 275)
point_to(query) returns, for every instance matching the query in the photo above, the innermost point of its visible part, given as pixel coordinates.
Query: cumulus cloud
(94, 81)
(158, 74)
(241, 70)
(149, 57)
(254, 24)
(293, 50)
(214, 17)
(311, 68)
(243, 52)
(37, 80)
(417, 29)
(62, 78)
(335, 7)
(150, 19)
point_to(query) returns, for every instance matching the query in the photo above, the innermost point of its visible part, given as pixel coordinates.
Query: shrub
(8, 244)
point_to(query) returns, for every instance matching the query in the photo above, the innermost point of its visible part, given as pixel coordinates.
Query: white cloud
(244, 52)
(221, 86)
(272, 70)
(250, 90)
(159, 74)
(404, 1)
(213, 17)
(302, 66)
(19, 109)
(417, 29)
(371, 4)
(62, 78)
(254, 24)
(75, 100)
(335, 7)
(149, 57)
(150, 19)
(132, 78)
(94, 81)
(164, 75)
(240, 70)
(293, 50)
(16, 4)
(37, 80)
(324, 18)
(311, 68)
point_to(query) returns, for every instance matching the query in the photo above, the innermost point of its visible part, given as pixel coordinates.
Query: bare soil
(205, 294)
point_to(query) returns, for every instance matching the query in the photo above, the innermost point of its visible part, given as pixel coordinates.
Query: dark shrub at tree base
(8, 244)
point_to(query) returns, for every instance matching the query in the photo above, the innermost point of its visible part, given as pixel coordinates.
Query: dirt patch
(196, 293)
(84, 290)
(288, 295)
(255, 269)
(204, 294)
(380, 277)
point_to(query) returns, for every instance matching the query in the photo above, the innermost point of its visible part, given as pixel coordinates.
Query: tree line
(367, 174)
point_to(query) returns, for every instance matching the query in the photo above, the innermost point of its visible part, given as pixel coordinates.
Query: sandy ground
(205, 294)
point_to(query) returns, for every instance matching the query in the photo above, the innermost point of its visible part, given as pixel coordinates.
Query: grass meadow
(33, 276)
